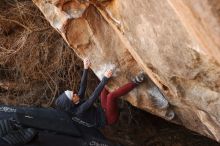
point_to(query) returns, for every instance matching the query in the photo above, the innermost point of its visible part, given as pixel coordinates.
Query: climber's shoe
(5, 127)
(21, 136)
(139, 78)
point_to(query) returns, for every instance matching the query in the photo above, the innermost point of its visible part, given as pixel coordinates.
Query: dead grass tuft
(35, 62)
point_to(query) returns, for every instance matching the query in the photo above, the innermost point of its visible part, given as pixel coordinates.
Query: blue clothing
(84, 112)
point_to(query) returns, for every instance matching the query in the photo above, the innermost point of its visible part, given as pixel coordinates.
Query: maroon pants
(109, 101)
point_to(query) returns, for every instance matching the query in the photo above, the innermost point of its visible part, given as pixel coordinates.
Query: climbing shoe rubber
(139, 78)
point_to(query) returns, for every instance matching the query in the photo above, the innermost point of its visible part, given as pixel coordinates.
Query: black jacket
(84, 112)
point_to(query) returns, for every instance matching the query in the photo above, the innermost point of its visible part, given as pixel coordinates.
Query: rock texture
(176, 42)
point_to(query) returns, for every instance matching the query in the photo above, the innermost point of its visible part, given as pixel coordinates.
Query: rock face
(176, 42)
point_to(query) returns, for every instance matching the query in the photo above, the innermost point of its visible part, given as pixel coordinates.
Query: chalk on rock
(158, 98)
(100, 72)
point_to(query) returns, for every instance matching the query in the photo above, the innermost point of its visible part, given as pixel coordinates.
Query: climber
(84, 112)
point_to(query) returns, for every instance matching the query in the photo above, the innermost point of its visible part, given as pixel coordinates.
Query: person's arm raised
(83, 82)
(88, 103)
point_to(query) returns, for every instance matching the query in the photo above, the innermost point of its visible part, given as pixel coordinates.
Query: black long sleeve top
(84, 112)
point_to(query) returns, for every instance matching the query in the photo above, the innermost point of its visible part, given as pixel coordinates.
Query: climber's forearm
(88, 103)
(83, 84)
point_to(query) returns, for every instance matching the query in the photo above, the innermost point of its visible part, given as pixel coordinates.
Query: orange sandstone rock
(175, 42)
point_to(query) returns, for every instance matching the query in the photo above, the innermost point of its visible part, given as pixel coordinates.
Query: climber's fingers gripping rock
(86, 63)
(108, 73)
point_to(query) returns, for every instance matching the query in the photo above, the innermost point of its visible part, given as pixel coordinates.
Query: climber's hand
(87, 63)
(108, 73)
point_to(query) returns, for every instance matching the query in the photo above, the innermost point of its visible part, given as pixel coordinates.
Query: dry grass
(35, 62)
